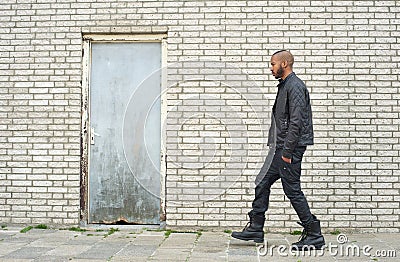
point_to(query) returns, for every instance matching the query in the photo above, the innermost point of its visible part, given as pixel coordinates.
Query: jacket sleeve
(297, 105)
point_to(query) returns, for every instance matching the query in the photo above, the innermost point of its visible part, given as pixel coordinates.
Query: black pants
(290, 178)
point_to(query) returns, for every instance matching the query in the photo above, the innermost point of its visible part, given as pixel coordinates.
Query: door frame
(87, 40)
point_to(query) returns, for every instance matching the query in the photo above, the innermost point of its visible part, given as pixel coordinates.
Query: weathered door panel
(124, 155)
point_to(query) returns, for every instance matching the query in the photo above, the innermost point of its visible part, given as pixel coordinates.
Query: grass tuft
(41, 226)
(296, 232)
(336, 232)
(168, 232)
(111, 231)
(26, 229)
(77, 229)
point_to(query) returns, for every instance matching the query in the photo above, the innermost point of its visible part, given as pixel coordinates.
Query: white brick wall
(219, 101)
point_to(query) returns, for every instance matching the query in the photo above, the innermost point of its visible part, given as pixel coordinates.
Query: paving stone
(16, 260)
(87, 260)
(129, 259)
(81, 239)
(28, 252)
(102, 250)
(137, 250)
(52, 259)
(171, 253)
(180, 240)
(8, 247)
(68, 250)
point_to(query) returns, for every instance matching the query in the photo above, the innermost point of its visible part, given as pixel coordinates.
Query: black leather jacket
(293, 116)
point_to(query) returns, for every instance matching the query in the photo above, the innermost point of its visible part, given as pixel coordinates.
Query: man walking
(291, 132)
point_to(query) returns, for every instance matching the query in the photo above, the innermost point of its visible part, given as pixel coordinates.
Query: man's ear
(284, 64)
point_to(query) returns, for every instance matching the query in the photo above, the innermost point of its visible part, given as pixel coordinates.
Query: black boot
(311, 238)
(254, 230)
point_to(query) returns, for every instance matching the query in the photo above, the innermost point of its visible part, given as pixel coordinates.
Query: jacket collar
(283, 82)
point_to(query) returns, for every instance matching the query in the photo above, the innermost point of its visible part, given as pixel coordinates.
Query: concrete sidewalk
(134, 244)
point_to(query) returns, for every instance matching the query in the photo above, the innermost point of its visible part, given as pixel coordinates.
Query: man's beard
(279, 73)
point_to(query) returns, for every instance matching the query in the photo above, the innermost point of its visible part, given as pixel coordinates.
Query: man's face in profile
(276, 67)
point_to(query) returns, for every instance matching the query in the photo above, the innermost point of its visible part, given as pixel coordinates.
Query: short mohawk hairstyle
(280, 51)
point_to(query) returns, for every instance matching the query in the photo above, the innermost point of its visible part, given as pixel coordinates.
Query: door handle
(92, 136)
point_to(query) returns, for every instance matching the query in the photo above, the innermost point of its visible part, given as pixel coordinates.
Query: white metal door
(124, 151)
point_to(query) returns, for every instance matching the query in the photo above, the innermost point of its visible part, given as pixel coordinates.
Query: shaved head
(281, 64)
(284, 55)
